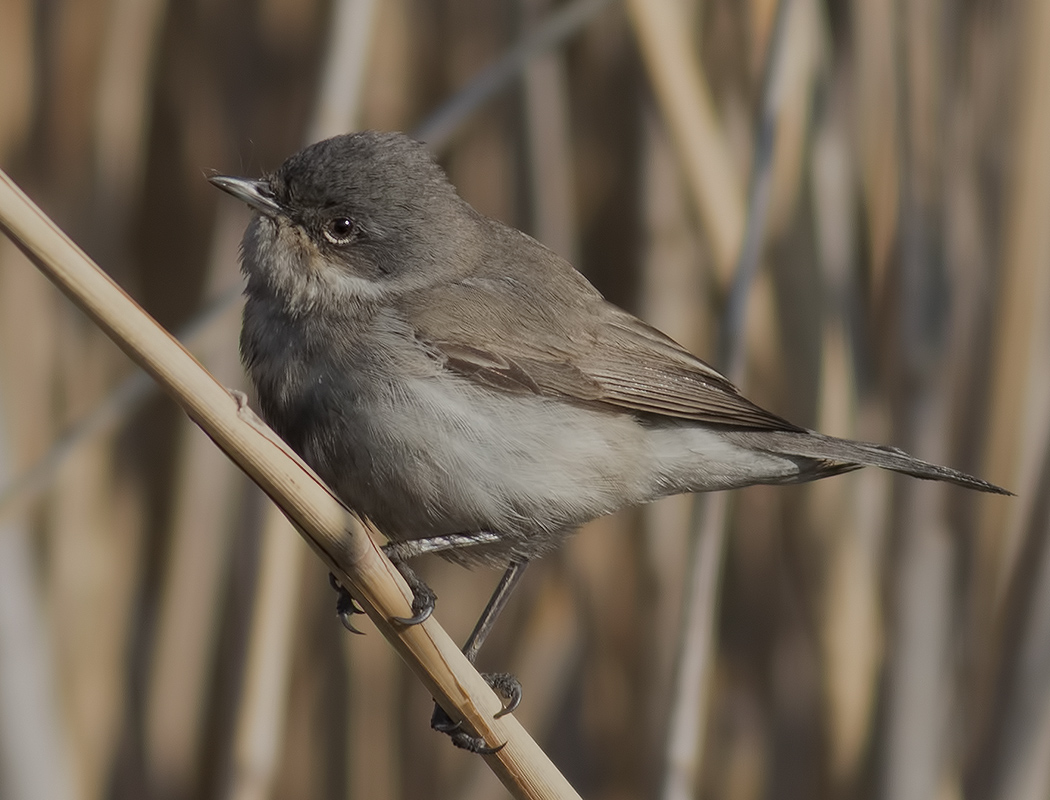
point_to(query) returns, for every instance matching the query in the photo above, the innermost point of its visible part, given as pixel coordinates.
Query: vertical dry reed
(868, 636)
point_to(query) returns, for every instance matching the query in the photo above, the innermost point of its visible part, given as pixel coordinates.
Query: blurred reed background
(847, 205)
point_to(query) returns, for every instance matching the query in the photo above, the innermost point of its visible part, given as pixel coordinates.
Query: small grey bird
(464, 387)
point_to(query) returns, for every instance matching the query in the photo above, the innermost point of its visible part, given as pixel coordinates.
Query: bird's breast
(425, 452)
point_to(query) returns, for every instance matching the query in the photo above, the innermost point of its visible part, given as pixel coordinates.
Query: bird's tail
(840, 455)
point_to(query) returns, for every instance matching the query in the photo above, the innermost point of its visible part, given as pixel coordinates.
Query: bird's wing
(583, 350)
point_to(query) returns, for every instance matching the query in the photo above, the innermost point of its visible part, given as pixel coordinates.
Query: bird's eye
(340, 230)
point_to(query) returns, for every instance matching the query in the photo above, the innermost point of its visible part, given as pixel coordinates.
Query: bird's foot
(506, 686)
(423, 597)
(345, 606)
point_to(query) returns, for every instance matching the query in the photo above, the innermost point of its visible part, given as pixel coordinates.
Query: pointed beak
(256, 194)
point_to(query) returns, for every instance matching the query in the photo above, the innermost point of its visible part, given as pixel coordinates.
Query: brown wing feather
(591, 354)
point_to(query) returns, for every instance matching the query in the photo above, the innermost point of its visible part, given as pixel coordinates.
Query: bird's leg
(412, 548)
(505, 684)
(423, 597)
(495, 607)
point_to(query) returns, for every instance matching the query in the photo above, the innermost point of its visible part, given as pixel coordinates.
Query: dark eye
(340, 230)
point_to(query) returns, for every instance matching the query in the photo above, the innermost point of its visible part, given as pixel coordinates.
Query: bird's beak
(257, 194)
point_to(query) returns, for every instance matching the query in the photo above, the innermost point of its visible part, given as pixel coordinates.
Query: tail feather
(844, 454)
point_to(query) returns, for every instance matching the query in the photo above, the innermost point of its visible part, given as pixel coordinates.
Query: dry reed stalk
(348, 53)
(124, 101)
(737, 239)
(687, 726)
(37, 756)
(803, 60)
(205, 504)
(1011, 763)
(548, 146)
(921, 682)
(37, 752)
(20, 490)
(377, 764)
(601, 568)
(845, 513)
(970, 227)
(95, 525)
(36, 760)
(17, 78)
(875, 130)
(921, 679)
(685, 99)
(672, 290)
(260, 729)
(1020, 389)
(686, 103)
(205, 483)
(336, 536)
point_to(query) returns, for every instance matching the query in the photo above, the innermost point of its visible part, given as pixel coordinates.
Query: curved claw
(344, 618)
(345, 606)
(423, 602)
(423, 597)
(420, 616)
(506, 686)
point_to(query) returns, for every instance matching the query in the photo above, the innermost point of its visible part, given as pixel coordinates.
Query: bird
(467, 389)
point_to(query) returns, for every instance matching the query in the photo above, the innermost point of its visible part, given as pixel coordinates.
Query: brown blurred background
(884, 168)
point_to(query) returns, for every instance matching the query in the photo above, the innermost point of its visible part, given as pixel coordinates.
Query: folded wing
(584, 350)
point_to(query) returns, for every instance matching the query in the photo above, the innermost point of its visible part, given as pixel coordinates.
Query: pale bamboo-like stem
(335, 534)
(1013, 763)
(95, 509)
(849, 513)
(686, 103)
(1018, 391)
(207, 496)
(36, 757)
(548, 143)
(685, 100)
(920, 681)
(736, 232)
(684, 749)
(260, 717)
(1014, 755)
(123, 105)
